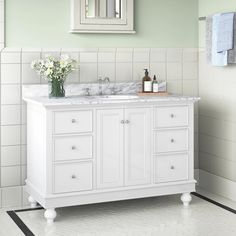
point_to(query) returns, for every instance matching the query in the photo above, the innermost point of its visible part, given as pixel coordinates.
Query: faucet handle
(113, 90)
(87, 91)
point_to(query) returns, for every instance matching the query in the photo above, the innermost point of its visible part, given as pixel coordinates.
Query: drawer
(171, 168)
(73, 148)
(73, 122)
(171, 141)
(171, 116)
(73, 177)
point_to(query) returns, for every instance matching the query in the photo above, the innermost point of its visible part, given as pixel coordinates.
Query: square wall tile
(88, 72)
(174, 54)
(122, 57)
(11, 135)
(158, 69)
(174, 71)
(138, 70)
(28, 57)
(29, 76)
(106, 57)
(141, 56)
(24, 134)
(10, 156)
(158, 55)
(123, 72)
(107, 50)
(10, 176)
(175, 87)
(1, 43)
(10, 114)
(72, 55)
(73, 77)
(190, 55)
(88, 57)
(2, 32)
(190, 70)
(23, 154)
(23, 174)
(54, 52)
(10, 94)
(107, 70)
(2, 10)
(121, 50)
(11, 197)
(10, 57)
(10, 73)
(23, 114)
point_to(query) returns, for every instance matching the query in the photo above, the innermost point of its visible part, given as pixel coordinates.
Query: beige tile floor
(161, 216)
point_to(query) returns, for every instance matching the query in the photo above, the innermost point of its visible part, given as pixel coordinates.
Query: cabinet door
(137, 146)
(110, 148)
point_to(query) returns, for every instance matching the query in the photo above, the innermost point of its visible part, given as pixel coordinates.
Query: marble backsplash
(90, 89)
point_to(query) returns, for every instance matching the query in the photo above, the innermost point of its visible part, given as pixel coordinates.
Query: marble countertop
(115, 99)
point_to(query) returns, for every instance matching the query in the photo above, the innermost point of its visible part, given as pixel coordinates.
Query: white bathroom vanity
(84, 150)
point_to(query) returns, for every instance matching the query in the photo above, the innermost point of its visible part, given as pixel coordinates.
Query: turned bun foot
(50, 215)
(186, 198)
(33, 203)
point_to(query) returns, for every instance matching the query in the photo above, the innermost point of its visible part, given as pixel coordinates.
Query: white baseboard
(215, 184)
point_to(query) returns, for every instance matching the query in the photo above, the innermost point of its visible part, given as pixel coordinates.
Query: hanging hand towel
(225, 32)
(218, 59)
(209, 39)
(232, 53)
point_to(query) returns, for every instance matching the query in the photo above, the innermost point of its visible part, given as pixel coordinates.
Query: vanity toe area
(85, 150)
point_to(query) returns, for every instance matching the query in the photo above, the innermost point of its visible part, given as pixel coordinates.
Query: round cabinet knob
(73, 176)
(73, 121)
(172, 140)
(172, 115)
(127, 121)
(122, 122)
(172, 167)
(73, 147)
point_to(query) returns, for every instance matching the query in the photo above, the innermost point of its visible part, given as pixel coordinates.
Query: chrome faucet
(101, 81)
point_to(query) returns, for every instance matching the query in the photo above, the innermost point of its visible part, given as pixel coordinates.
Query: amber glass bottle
(147, 83)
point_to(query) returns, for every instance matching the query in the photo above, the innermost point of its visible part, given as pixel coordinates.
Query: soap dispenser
(147, 82)
(155, 85)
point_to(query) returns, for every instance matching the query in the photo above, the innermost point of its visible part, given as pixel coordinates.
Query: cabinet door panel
(137, 146)
(110, 148)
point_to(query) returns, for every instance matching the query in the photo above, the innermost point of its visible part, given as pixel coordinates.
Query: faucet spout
(101, 81)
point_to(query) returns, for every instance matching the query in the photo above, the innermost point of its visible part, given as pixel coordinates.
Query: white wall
(217, 114)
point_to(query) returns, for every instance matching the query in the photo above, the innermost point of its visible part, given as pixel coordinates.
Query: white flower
(63, 63)
(49, 64)
(48, 72)
(54, 69)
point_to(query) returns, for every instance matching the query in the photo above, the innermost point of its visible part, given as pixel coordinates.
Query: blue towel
(218, 59)
(225, 32)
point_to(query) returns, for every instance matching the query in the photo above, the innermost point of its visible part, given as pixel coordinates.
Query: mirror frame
(81, 24)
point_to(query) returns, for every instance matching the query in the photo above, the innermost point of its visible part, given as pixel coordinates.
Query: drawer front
(73, 177)
(171, 168)
(171, 141)
(73, 148)
(171, 116)
(73, 122)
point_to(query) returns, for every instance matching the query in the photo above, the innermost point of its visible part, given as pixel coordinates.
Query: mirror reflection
(103, 9)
